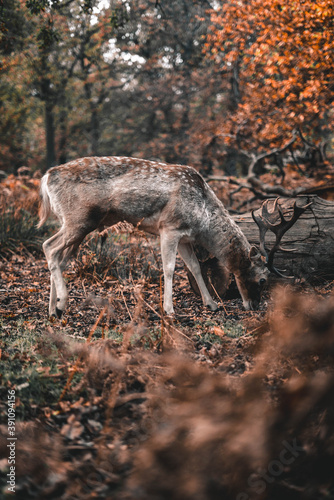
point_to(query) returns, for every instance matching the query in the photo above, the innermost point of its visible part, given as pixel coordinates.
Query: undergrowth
(121, 257)
(19, 233)
(19, 201)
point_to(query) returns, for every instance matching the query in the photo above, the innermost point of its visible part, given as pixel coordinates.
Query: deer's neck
(225, 240)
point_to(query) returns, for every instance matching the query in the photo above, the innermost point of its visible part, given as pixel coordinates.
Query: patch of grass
(209, 338)
(148, 338)
(229, 328)
(234, 329)
(33, 365)
(114, 333)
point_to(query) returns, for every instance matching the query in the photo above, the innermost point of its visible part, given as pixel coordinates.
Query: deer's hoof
(212, 306)
(59, 313)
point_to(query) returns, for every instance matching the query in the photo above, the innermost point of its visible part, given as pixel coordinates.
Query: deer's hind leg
(48, 247)
(58, 250)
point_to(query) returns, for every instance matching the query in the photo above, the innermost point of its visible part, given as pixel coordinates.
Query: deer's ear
(254, 253)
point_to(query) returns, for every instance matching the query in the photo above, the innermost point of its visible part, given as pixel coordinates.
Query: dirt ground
(199, 406)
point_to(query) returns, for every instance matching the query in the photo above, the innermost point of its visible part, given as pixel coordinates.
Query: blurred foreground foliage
(135, 418)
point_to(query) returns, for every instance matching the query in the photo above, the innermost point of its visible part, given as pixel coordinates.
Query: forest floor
(81, 437)
(118, 401)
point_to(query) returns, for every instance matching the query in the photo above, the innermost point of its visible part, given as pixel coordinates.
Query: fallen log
(310, 241)
(308, 246)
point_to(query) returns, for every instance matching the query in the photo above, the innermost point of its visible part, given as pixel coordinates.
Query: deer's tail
(45, 205)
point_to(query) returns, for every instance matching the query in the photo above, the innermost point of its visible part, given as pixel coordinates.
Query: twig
(172, 326)
(219, 298)
(119, 286)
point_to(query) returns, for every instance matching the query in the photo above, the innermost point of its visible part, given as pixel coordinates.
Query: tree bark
(311, 238)
(50, 136)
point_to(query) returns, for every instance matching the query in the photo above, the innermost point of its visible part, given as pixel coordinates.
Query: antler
(267, 220)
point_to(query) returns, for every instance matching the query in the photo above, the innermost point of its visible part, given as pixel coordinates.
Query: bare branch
(311, 145)
(272, 152)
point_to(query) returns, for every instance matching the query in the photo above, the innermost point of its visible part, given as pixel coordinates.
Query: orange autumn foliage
(282, 53)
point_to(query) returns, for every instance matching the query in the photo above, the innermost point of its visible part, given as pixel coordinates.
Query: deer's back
(121, 188)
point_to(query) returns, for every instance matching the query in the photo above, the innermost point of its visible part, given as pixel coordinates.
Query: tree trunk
(50, 136)
(48, 97)
(94, 131)
(64, 133)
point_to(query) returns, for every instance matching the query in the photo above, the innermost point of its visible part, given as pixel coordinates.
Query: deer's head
(252, 278)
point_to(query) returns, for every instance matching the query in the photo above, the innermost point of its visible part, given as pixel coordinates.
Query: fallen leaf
(218, 331)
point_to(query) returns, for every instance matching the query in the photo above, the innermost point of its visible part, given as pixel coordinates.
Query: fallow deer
(172, 201)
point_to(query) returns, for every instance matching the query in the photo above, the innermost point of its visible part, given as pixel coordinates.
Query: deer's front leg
(53, 298)
(188, 256)
(169, 242)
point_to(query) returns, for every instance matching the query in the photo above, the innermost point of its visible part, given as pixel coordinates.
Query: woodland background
(117, 401)
(194, 82)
